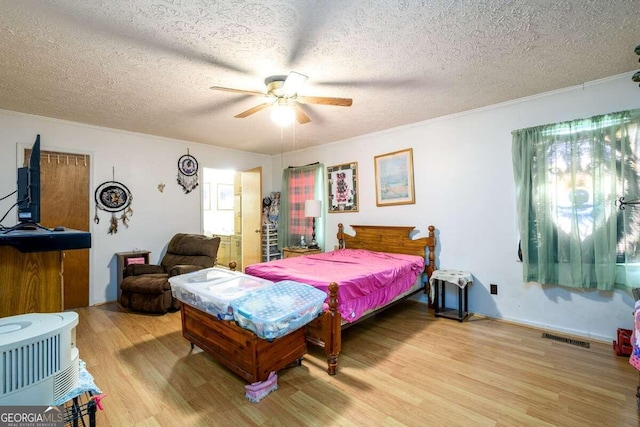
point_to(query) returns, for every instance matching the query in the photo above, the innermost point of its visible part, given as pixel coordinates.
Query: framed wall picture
(225, 197)
(394, 178)
(343, 187)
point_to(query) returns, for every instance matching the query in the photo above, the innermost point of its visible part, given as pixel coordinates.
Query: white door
(251, 195)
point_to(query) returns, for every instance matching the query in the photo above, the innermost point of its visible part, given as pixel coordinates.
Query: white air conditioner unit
(38, 358)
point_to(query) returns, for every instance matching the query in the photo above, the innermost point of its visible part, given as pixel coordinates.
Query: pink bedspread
(367, 279)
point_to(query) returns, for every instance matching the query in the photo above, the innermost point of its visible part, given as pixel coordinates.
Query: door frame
(255, 169)
(20, 149)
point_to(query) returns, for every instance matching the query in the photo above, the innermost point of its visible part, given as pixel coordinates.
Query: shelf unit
(270, 249)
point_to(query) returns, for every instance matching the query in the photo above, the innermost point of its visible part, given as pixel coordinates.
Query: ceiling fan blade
(301, 117)
(229, 89)
(342, 102)
(393, 83)
(293, 83)
(255, 109)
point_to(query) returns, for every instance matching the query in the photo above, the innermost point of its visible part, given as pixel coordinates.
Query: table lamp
(313, 209)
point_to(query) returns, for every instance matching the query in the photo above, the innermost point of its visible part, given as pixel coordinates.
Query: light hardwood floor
(403, 368)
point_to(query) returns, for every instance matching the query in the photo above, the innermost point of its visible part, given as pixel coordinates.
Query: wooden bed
(326, 330)
(253, 359)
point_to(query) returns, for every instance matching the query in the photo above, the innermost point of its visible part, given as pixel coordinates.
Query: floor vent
(566, 340)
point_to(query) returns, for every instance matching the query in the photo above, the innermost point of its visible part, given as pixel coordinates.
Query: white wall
(464, 187)
(141, 162)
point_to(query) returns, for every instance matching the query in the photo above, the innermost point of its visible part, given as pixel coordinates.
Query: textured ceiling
(147, 66)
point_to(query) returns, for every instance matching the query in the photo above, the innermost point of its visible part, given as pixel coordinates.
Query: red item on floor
(623, 346)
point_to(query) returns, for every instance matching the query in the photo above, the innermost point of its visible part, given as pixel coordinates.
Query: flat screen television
(29, 187)
(29, 192)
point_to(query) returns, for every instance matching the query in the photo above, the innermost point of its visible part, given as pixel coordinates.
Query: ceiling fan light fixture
(282, 115)
(283, 92)
(293, 83)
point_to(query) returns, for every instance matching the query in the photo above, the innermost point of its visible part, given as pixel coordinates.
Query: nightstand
(459, 278)
(294, 252)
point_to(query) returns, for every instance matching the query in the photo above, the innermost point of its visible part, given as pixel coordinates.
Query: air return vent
(566, 340)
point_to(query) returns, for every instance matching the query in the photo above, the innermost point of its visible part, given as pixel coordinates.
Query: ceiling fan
(284, 93)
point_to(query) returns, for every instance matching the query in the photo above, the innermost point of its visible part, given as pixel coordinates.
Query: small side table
(459, 278)
(123, 260)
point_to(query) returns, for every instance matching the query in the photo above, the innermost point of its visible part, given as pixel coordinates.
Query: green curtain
(300, 184)
(569, 177)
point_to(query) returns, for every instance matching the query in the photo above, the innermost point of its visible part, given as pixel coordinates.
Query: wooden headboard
(393, 239)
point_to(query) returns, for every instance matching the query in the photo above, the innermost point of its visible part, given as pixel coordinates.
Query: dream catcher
(188, 172)
(114, 197)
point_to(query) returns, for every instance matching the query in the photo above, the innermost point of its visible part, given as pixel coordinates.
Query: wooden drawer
(239, 349)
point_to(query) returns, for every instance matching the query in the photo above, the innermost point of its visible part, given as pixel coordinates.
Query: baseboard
(104, 303)
(545, 328)
(571, 333)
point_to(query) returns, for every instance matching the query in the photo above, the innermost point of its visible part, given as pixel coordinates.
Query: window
(298, 185)
(569, 178)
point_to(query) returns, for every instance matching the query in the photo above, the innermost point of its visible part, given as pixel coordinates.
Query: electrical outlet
(494, 289)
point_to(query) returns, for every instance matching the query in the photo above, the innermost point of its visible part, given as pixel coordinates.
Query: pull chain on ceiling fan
(284, 91)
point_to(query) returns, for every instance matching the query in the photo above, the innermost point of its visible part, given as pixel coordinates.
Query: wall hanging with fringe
(188, 172)
(114, 197)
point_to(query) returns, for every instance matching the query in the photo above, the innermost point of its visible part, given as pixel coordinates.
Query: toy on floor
(256, 391)
(623, 345)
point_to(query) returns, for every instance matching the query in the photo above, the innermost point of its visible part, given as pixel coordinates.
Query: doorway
(218, 212)
(231, 210)
(64, 200)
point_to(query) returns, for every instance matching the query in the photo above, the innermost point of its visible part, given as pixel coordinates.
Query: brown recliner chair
(146, 287)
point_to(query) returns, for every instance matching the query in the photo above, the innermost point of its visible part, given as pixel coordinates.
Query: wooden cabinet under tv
(31, 268)
(30, 282)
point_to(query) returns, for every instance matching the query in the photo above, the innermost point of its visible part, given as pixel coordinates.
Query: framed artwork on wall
(225, 197)
(394, 178)
(343, 187)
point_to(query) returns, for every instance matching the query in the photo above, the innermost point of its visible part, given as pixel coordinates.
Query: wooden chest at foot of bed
(239, 349)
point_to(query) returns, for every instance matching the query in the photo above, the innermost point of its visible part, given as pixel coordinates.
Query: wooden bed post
(431, 267)
(432, 251)
(340, 236)
(332, 343)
